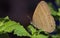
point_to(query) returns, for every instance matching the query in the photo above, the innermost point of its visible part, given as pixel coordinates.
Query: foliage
(7, 26)
(57, 2)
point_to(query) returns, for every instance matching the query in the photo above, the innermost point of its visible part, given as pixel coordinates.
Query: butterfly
(42, 18)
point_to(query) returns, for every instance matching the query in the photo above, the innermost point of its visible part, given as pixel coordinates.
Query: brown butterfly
(42, 18)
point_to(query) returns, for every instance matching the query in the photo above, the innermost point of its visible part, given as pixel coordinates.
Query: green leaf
(10, 26)
(58, 12)
(36, 33)
(20, 31)
(32, 29)
(7, 26)
(57, 2)
(55, 36)
(6, 17)
(39, 36)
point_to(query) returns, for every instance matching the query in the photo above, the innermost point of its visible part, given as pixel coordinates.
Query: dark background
(20, 10)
